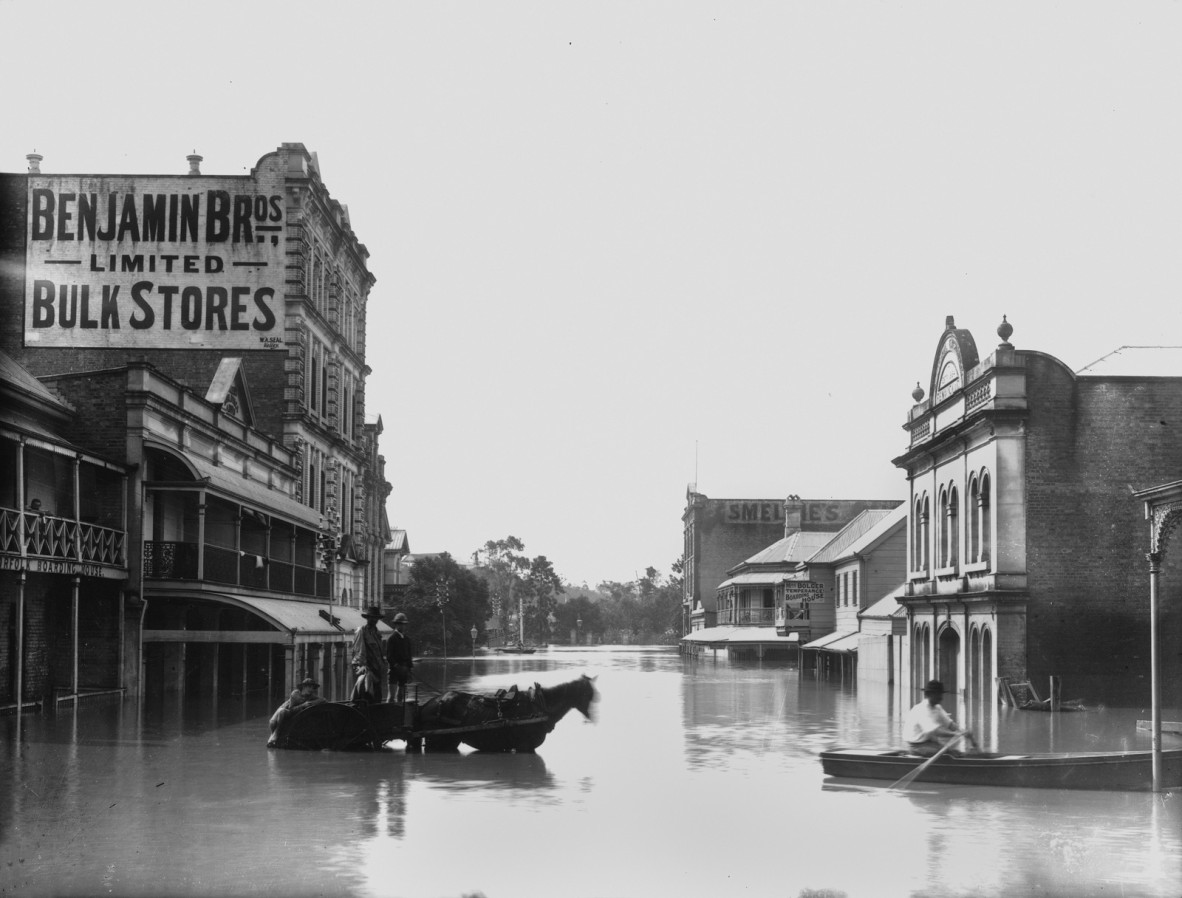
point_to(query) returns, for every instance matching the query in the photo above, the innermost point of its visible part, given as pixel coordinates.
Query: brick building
(1026, 547)
(211, 332)
(721, 533)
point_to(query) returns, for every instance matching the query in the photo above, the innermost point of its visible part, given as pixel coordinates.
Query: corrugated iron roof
(11, 371)
(861, 532)
(795, 547)
(840, 641)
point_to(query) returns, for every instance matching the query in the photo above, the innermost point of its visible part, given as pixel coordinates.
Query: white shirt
(923, 720)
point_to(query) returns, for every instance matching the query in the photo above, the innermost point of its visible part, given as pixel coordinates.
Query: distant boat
(518, 649)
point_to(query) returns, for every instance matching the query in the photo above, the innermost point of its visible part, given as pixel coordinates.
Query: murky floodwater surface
(696, 779)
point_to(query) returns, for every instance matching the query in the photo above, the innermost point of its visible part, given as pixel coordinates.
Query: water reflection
(696, 778)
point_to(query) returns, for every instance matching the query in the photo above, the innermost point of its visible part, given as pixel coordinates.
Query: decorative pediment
(228, 390)
(955, 354)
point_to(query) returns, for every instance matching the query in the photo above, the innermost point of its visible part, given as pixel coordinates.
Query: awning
(296, 619)
(740, 636)
(841, 641)
(769, 578)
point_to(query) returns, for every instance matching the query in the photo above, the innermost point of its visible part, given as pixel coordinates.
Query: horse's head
(584, 694)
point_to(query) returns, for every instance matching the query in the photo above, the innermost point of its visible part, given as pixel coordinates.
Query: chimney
(194, 163)
(34, 162)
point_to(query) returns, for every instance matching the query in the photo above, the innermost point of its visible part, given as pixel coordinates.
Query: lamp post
(473, 632)
(441, 597)
(579, 631)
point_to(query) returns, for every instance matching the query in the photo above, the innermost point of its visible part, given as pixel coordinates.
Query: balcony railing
(747, 617)
(49, 536)
(164, 560)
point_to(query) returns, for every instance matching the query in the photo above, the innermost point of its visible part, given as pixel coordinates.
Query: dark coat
(400, 654)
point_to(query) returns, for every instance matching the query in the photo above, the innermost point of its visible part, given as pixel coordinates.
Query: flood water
(697, 778)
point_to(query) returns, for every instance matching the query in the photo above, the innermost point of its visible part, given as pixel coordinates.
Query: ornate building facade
(1026, 545)
(211, 330)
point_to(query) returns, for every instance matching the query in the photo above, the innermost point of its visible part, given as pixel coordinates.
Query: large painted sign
(154, 262)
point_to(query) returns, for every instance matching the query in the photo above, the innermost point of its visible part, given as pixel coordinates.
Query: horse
(508, 720)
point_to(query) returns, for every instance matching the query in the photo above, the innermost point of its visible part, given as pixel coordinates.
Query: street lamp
(579, 631)
(473, 633)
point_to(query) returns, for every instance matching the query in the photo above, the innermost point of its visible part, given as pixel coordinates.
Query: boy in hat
(369, 661)
(400, 654)
(301, 697)
(927, 726)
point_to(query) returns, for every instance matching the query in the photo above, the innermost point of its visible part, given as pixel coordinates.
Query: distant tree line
(516, 595)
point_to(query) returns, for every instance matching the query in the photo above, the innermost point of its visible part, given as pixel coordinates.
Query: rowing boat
(1120, 770)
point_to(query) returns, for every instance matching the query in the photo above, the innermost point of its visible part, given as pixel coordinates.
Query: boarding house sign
(188, 262)
(803, 592)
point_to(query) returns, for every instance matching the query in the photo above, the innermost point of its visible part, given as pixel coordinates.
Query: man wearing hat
(927, 726)
(303, 696)
(400, 654)
(369, 661)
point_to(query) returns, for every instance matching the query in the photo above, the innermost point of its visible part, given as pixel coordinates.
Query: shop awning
(769, 578)
(740, 636)
(841, 641)
(293, 620)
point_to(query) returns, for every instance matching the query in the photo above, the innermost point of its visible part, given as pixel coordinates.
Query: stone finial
(949, 322)
(194, 163)
(34, 162)
(917, 393)
(1004, 330)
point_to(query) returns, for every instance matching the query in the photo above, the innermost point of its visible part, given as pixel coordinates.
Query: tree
(542, 587)
(444, 601)
(646, 610)
(580, 608)
(500, 564)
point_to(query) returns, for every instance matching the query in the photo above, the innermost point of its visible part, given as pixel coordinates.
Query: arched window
(953, 527)
(985, 525)
(942, 547)
(973, 549)
(921, 534)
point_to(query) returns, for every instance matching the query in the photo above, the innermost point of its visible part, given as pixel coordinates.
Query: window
(949, 528)
(985, 525)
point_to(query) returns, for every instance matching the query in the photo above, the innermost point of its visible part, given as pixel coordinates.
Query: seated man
(927, 726)
(305, 695)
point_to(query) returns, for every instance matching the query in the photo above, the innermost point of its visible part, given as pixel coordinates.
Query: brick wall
(1089, 443)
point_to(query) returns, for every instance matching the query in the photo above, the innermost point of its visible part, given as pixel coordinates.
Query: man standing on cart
(369, 662)
(400, 656)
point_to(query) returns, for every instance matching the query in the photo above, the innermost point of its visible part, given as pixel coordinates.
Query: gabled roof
(399, 542)
(861, 534)
(1137, 361)
(228, 389)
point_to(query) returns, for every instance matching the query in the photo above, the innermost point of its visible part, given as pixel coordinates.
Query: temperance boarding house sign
(187, 262)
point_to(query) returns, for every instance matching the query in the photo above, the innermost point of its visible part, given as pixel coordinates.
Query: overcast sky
(621, 246)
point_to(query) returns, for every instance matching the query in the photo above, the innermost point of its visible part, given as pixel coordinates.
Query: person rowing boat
(928, 728)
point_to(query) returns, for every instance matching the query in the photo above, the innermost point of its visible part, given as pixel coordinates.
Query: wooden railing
(49, 536)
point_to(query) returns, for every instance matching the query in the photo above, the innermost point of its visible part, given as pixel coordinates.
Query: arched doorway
(921, 653)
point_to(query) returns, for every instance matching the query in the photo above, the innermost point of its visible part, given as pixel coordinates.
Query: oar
(906, 780)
